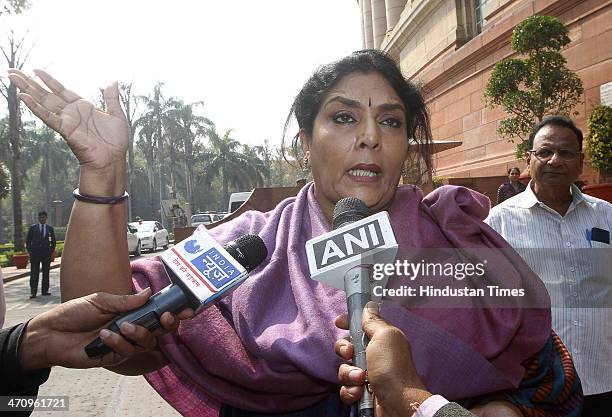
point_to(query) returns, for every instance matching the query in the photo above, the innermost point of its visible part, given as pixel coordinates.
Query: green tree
(15, 55)
(146, 144)
(224, 159)
(599, 141)
(154, 118)
(255, 167)
(45, 146)
(188, 127)
(13, 6)
(130, 107)
(529, 88)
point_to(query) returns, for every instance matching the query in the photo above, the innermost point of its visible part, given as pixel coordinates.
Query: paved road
(92, 392)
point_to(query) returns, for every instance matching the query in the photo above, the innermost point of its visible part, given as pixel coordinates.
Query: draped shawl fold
(269, 346)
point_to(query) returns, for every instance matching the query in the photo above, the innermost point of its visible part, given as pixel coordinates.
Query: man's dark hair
(513, 168)
(308, 101)
(42, 213)
(562, 121)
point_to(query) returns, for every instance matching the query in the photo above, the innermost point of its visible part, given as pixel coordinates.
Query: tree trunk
(172, 169)
(2, 240)
(16, 177)
(189, 197)
(225, 185)
(151, 178)
(46, 168)
(130, 171)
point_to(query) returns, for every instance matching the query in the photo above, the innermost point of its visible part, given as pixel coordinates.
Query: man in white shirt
(564, 236)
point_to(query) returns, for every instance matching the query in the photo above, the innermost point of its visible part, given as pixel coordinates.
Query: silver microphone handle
(357, 287)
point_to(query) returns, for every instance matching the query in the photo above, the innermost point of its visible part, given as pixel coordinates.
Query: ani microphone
(343, 258)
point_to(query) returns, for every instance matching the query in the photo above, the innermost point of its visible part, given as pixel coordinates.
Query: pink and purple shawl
(269, 346)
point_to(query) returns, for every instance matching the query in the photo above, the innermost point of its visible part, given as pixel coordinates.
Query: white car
(133, 241)
(151, 234)
(201, 218)
(219, 216)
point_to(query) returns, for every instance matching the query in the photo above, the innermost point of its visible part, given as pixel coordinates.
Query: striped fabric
(550, 388)
(577, 273)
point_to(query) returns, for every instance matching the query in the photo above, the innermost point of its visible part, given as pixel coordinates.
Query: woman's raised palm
(98, 139)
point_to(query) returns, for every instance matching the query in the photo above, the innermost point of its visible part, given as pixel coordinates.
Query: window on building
(479, 14)
(469, 19)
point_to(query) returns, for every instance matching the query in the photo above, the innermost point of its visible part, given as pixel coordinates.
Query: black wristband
(99, 200)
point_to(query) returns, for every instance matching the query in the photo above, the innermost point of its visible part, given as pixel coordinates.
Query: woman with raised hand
(269, 347)
(94, 256)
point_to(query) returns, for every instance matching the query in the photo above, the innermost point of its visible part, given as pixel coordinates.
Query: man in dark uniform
(40, 244)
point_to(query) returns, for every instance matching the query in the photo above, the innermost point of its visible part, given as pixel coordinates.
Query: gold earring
(306, 161)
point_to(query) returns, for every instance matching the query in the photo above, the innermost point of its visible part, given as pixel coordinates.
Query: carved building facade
(450, 47)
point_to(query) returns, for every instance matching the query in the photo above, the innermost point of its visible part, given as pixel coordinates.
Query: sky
(245, 59)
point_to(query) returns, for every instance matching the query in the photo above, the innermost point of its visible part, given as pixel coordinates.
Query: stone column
(394, 10)
(366, 20)
(379, 22)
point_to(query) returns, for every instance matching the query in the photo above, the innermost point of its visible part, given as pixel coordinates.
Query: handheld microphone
(201, 272)
(342, 259)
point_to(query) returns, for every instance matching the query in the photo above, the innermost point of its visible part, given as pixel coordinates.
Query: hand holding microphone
(343, 257)
(201, 272)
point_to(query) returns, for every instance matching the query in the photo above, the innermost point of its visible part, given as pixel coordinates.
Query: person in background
(512, 187)
(40, 243)
(564, 236)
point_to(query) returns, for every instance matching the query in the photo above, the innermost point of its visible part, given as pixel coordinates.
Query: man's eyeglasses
(545, 154)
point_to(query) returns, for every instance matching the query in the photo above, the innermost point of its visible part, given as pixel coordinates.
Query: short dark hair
(308, 101)
(512, 169)
(556, 120)
(42, 213)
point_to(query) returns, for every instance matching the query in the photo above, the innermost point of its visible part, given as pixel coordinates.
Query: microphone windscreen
(248, 250)
(349, 210)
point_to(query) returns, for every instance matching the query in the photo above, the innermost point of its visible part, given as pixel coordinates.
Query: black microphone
(357, 288)
(201, 272)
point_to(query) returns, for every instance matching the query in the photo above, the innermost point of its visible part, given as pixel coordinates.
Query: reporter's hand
(59, 336)
(391, 372)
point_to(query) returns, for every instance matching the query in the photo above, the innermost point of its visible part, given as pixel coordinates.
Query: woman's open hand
(98, 139)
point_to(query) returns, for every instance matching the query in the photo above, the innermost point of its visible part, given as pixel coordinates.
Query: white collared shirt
(576, 271)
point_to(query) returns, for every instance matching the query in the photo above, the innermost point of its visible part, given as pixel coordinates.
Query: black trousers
(598, 405)
(36, 259)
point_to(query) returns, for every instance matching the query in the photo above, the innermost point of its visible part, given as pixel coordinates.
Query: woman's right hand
(98, 139)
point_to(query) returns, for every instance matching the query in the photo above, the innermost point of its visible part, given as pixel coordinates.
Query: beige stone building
(450, 46)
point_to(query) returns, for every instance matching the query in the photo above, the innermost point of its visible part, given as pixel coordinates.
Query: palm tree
(16, 56)
(146, 144)
(44, 145)
(155, 117)
(187, 128)
(255, 168)
(223, 158)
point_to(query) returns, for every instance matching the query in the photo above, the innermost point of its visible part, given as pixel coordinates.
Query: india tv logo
(215, 268)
